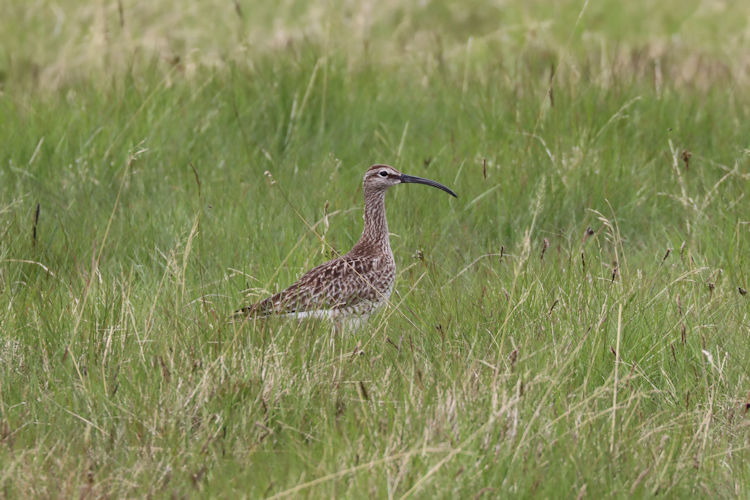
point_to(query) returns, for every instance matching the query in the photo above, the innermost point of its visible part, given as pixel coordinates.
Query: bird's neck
(375, 234)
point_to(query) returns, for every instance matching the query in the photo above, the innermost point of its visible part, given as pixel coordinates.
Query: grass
(573, 325)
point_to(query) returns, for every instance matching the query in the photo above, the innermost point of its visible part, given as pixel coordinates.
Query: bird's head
(381, 177)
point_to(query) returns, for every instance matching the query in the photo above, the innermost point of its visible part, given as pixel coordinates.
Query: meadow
(575, 325)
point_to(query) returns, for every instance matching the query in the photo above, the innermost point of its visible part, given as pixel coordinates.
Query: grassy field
(574, 325)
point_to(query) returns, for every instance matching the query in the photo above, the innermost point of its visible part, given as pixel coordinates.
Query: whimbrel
(349, 288)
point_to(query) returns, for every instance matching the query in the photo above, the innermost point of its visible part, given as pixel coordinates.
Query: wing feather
(336, 284)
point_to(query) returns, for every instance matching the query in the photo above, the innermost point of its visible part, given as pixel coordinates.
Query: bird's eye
(383, 173)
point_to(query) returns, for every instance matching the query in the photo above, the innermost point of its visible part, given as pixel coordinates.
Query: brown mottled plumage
(352, 286)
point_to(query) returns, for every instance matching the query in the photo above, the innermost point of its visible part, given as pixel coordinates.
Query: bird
(349, 288)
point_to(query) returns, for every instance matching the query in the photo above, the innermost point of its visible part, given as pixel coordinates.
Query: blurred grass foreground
(576, 324)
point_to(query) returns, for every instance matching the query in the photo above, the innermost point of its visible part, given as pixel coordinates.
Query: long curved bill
(421, 180)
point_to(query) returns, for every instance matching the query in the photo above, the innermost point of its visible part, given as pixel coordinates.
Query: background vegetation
(574, 325)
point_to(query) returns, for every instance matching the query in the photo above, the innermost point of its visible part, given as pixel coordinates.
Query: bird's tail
(258, 310)
(241, 314)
